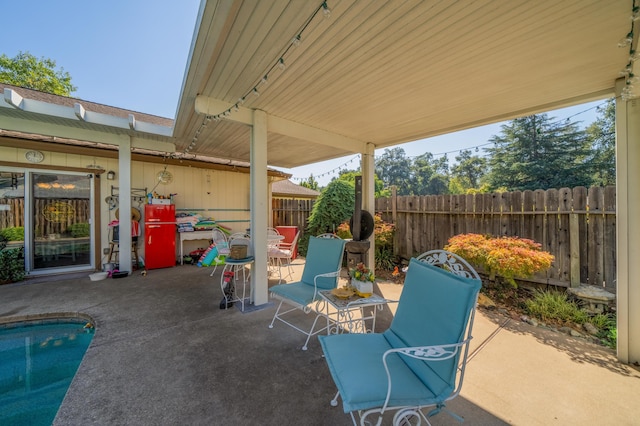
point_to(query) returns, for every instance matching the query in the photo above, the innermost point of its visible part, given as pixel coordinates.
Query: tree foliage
(430, 175)
(394, 168)
(469, 171)
(602, 136)
(25, 70)
(379, 188)
(535, 153)
(310, 183)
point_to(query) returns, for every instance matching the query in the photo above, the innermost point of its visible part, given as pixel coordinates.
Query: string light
(337, 169)
(325, 10)
(627, 93)
(280, 64)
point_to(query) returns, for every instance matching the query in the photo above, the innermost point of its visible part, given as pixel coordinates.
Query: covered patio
(287, 83)
(164, 354)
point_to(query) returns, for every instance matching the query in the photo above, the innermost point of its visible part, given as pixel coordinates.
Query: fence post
(394, 204)
(394, 219)
(574, 244)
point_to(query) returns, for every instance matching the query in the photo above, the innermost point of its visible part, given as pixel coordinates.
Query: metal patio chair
(450, 262)
(283, 252)
(419, 362)
(321, 272)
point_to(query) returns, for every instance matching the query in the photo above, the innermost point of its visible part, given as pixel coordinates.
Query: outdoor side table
(350, 315)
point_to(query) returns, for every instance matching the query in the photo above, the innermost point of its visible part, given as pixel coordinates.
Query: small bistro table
(349, 315)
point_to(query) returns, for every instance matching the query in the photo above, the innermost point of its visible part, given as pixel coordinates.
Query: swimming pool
(39, 360)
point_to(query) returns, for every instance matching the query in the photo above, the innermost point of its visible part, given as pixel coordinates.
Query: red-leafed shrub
(509, 257)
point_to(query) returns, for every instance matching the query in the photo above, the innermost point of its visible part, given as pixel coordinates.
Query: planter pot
(362, 288)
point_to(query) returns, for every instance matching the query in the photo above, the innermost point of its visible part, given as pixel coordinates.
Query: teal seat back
(433, 309)
(323, 256)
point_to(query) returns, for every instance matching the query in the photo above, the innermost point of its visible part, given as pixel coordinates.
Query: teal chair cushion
(433, 309)
(355, 362)
(323, 256)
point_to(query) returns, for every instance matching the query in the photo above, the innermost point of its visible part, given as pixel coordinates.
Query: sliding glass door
(61, 217)
(50, 214)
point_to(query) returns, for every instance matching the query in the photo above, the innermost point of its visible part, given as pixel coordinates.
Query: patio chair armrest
(335, 274)
(424, 353)
(428, 353)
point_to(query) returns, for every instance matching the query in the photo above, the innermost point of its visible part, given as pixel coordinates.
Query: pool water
(38, 362)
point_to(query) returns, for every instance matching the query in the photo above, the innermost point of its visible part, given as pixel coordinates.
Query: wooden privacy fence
(288, 212)
(577, 226)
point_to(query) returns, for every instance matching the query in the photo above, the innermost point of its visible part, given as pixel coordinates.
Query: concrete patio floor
(165, 354)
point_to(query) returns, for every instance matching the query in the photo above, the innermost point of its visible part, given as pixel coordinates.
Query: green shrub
(12, 265)
(555, 307)
(79, 230)
(611, 338)
(603, 321)
(385, 259)
(334, 205)
(607, 325)
(14, 233)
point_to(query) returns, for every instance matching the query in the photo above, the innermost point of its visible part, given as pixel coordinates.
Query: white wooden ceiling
(389, 72)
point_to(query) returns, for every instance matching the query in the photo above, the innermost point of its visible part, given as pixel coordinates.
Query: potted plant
(362, 279)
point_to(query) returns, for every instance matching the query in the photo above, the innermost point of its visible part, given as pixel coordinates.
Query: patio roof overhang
(373, 75)
(388, 72)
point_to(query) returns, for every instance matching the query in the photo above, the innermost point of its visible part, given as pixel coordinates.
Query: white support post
(124, 201)
(628, 226)
(259, 206)
(368, 194)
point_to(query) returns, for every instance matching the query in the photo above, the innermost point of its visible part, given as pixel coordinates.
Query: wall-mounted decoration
(34, 156)
(165, 177)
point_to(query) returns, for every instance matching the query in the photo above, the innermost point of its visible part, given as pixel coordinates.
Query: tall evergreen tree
(536, 153)
(602, 135)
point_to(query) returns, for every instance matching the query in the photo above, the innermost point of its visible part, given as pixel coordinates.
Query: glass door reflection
(61, 220)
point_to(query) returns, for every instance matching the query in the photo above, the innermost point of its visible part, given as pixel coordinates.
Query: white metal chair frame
(271, 247)
(217, 236)
(317, 306)
(450, 262)
(328, 235)
(284, 251)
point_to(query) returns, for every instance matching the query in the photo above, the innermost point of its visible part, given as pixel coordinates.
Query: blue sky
(132, 54)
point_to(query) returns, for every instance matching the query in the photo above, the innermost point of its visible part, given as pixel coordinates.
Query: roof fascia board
(41, 128)
(146, 158)
(210, 106)
(12, 99)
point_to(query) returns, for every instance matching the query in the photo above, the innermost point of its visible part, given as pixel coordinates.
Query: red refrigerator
(159, 235)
